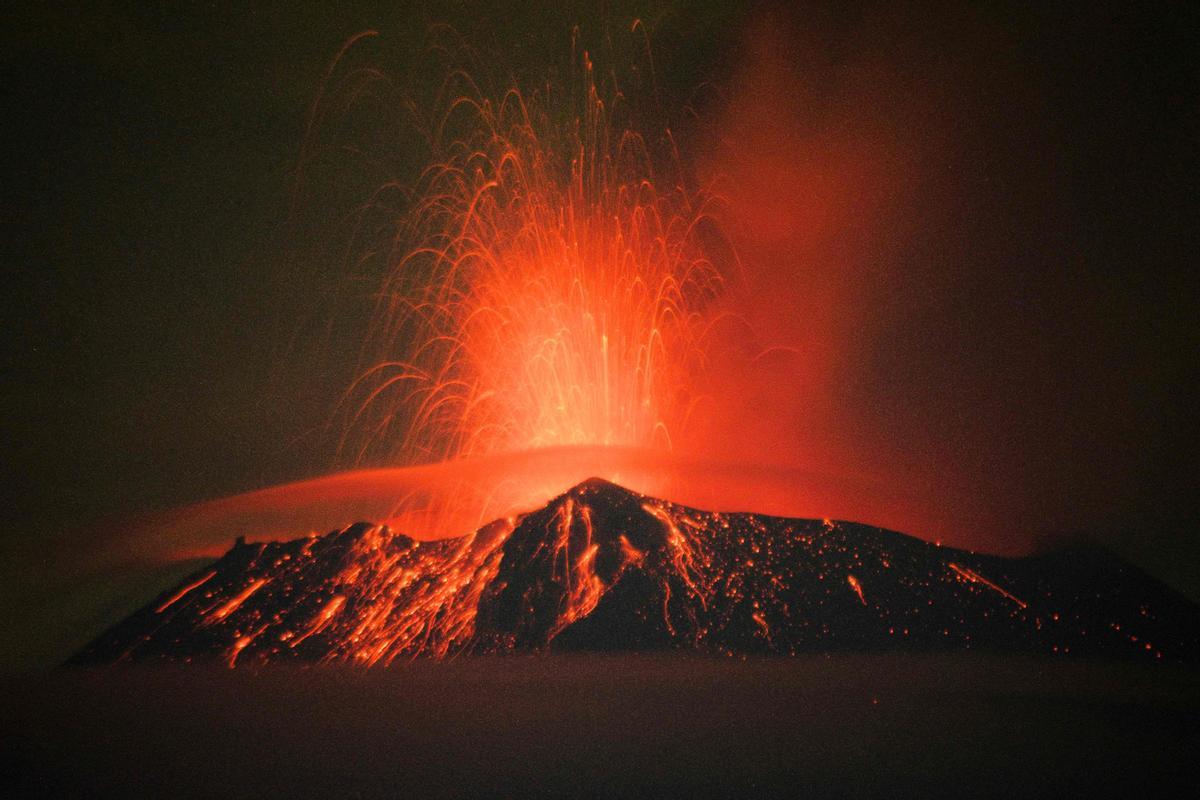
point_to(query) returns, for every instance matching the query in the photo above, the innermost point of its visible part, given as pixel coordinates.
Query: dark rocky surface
(601, 568)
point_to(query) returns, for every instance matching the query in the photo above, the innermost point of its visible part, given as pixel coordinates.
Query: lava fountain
(548, 304)
(548, 288)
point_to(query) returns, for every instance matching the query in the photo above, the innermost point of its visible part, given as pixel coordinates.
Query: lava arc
(550, 286)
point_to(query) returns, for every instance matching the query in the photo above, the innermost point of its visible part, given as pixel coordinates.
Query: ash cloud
(947, 267)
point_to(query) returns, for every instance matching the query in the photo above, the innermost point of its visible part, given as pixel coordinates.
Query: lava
(234, 602)
(549, 286)
(604, 568)
(857, 587)
(196, 584)
(974, 577)
(554, 300)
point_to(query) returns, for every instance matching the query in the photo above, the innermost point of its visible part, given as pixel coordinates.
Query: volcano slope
(601, 568)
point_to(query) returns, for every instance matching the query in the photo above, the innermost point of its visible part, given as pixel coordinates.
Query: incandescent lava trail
(550, 286)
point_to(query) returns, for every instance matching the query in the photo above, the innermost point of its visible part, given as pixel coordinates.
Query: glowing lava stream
(971, 576)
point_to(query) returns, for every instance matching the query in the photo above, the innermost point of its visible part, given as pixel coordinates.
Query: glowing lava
(548, 288)
(603, 568)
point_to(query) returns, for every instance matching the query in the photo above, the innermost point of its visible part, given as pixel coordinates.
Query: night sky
(1009, 247)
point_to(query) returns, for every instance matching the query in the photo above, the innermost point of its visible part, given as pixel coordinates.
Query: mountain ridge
(603, 568)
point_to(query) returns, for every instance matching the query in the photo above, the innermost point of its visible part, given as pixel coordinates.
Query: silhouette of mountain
(601, 568)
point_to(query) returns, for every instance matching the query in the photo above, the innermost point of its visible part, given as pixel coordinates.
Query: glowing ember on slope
(857, 587)
(232, 605)
(173, 599)
(974, 577)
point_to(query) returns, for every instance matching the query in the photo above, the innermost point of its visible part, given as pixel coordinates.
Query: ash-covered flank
(601, 568)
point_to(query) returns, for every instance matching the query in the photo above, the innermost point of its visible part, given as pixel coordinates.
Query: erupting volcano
(601, 568)
(544, 299)
(605, 399)
(555, 283)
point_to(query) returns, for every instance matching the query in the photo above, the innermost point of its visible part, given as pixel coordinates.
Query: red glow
(235, 602)
(562, 301)
(857, 587)
(453, 498)
(549, 288)
(552, 310)
(175, 598)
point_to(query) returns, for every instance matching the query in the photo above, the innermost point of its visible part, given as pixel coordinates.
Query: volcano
(602, 568)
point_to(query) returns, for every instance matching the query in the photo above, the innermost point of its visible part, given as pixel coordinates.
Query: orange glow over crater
(550, 287)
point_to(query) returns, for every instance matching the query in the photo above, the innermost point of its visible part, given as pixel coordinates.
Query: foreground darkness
(623, 726)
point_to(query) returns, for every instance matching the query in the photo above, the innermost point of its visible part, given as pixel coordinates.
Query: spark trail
(550, 286)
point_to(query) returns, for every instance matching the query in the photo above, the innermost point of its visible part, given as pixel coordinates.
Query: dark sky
(165, 338)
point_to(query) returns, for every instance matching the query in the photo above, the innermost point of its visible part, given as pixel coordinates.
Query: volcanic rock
(601, 568)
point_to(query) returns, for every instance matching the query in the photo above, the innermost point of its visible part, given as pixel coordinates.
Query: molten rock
(603, 568)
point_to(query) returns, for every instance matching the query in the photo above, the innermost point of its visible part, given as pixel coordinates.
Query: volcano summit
(601, 568)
